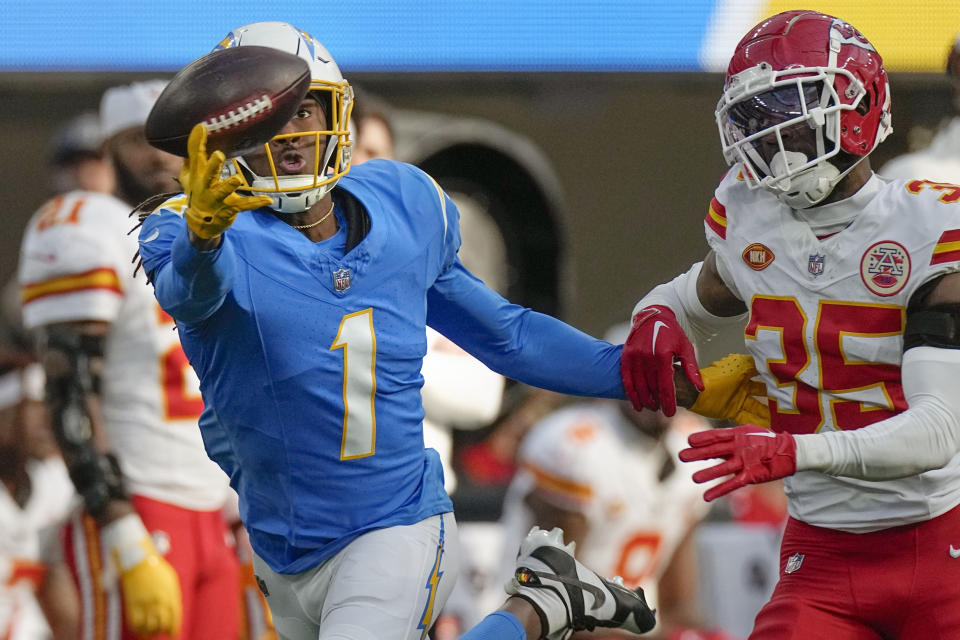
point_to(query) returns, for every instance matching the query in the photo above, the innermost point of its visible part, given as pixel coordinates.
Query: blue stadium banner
(451, 35)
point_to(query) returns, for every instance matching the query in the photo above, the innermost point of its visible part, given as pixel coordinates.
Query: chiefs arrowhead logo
(758, 256)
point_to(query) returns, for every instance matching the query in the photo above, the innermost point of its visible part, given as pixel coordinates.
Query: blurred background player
(738, 552)
(610, 478)
(124, 405)
(940, 160)
(75, 160)
(38, 599)
(76, 157)
(374, 127)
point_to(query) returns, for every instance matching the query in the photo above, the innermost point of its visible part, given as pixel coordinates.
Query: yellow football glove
(150, 586)
(730, 393)
(212, 203)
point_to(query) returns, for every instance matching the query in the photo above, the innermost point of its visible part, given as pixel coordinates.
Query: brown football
(686, 393)
(244, 95)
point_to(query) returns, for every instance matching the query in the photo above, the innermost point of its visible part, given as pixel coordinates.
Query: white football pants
(388, 584)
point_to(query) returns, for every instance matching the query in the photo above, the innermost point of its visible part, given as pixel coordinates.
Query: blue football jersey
(309, 359)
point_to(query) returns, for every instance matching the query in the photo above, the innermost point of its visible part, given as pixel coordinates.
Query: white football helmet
(296, 193)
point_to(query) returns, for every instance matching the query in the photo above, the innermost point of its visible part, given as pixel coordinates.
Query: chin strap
(807, 188)
(293, 201)
(296, 202)
(812, 186)
(297, 194)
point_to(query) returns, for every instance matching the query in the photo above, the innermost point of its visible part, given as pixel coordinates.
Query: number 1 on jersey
(355, 336)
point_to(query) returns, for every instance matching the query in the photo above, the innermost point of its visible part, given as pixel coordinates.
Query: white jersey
(459, 392)
(75, 264)
(589, 458)
(940, 161)
(27, 542)
(826, 326)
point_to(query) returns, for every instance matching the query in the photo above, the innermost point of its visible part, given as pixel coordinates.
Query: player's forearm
(531, 347)
(204, 244)
(194, 283)
(544, 352)
(558, 357)
(59, 601)
(72, 355)
(924, 437)
(682, 296)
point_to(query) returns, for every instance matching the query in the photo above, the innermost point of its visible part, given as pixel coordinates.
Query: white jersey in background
(590, 459)
(940, 161)
(828, 341)
(28, 540)
(459, 392)
(75, 264)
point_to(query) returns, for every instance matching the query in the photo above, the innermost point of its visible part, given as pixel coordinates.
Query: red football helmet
(801, 88)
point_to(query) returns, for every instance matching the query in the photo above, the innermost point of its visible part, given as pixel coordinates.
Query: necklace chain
(313, 224)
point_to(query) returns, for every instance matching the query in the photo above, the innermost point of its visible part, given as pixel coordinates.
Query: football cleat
(569, 597)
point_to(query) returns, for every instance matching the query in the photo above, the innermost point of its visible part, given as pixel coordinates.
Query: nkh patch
(757, 256)
(885, 268)
(341, 279)
(815, 264)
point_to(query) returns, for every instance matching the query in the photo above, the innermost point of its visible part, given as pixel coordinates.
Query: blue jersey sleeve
(451, 231)
(519, 343)
(189, 284)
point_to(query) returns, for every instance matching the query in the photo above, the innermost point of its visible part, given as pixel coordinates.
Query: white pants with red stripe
(199, 547)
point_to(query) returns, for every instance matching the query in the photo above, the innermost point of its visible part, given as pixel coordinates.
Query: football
(687, 394)
(244, 95)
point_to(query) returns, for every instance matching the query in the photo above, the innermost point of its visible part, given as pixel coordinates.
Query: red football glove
(646, 365)
(751, 453)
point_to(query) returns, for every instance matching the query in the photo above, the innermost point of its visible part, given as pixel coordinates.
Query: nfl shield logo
(815, 264)
(793, 563)
(341, 279)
